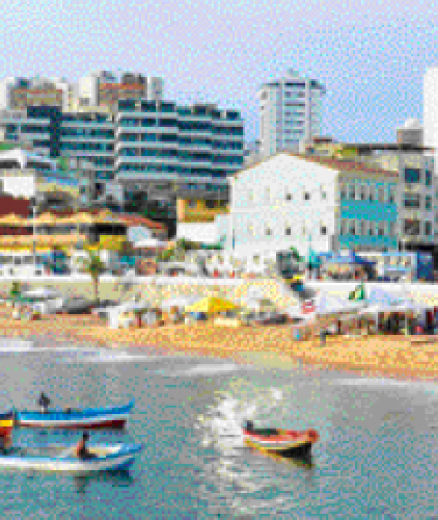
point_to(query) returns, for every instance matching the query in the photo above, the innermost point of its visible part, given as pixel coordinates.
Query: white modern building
(430, 107)
(311, 202)
(290, 111)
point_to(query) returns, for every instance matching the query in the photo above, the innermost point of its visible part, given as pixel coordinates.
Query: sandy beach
(414, 357)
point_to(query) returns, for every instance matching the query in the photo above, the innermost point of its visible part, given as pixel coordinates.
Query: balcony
(107, 125)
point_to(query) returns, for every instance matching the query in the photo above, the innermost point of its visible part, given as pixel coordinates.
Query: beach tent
(179, 302)
(210, 305)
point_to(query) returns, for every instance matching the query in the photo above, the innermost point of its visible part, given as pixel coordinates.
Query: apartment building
(290, 111)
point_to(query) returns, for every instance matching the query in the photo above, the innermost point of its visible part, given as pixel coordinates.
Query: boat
(6, 423)
(85, 418)
(63, 459)
(286, 443)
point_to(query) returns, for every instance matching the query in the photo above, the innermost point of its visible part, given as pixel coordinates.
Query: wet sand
(270, 346)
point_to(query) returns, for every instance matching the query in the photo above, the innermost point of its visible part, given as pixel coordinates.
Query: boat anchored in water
(63, 459)
(286, 443)
(72, 418)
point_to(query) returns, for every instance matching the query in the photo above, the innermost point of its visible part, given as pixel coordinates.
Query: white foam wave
(203, 370)
(425, 386)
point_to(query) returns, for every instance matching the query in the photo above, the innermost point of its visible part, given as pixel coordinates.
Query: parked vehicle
(45, 300)
(78, 305)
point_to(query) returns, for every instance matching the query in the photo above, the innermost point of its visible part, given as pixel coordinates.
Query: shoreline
(265, 346)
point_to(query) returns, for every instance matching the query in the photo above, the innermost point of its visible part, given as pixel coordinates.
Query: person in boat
(44, 402)
(5, 444)
(248, 426)
(82, 450)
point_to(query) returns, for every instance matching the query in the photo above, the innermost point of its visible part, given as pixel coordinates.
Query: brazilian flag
(358, 293)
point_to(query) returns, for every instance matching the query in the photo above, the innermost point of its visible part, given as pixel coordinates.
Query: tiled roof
(345, 165)
(136, 220)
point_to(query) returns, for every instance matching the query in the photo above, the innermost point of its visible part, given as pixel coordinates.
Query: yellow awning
(13, 220)
(210, 304)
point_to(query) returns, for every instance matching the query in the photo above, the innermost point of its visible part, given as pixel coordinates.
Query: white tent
(180, 302)
(149, 242)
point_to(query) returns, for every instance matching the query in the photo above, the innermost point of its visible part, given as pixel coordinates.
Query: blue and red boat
(85, 418)
(6, 423)
(285, 443)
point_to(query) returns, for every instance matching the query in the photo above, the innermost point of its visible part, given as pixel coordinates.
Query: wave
(378, 383)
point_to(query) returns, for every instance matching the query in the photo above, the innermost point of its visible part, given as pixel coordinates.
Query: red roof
(137, 220)
(346, 165)
(9, 204)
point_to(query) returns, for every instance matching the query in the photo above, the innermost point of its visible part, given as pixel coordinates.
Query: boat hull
(91, 418)
(6, 424)
(114, 459)
(284, 444)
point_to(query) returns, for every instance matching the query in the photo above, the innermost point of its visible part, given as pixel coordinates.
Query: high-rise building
(290, 111)
(430, 107)
(20, 93)
(103, 89)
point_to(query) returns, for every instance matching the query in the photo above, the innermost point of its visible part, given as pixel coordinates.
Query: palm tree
(94, 267)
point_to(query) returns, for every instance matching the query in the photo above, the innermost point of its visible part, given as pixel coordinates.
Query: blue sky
(370, 55)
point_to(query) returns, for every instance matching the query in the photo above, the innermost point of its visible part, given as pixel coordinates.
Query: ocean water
(376, 458)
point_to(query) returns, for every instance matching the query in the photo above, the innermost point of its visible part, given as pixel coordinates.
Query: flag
(308, 307)
(358, 293)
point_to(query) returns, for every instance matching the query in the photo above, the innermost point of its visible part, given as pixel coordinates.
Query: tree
(94, 267)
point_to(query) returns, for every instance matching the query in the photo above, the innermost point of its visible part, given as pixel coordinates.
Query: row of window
(306, 195)
(181, 154)
(367, 192)
(413, 176)
(173, 169)
(414, 200)
(413, 227)
(102, 147)
(87, 132)
(175, 138)
(366, 227)
(288, 230)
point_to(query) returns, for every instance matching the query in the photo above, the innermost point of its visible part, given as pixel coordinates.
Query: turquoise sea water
(377, 456)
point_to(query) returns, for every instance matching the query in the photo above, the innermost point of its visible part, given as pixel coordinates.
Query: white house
(312, 202)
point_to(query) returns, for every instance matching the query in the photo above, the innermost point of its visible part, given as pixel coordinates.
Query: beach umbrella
(180, 302)
(149, 242)
(13, 220)
(210, 305)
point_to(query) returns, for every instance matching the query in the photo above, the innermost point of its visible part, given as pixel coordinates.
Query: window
(250, 229)
(267, 195)
(268, 231)
(391, 193)
(251, 195)
(411, 227)
(412, 175)
(352, 227)
(381, 229)
(371, 194)
(344, 192)
(352, 191)
(288, 196)
(323, 230)
(363, 192)
(371, 229)
(323, 195)
(428, 178)
(428, 228)
(381, 194)
(428, 204)
(412, 200)
(306, 195)
(288, 231)
(343, 227)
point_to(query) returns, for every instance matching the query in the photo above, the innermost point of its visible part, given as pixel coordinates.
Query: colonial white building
(312, 202)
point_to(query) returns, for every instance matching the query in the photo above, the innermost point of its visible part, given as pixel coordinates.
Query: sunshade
(181, 301)
(13, 220)
(149, 242)
(210, 304)
(45, 219)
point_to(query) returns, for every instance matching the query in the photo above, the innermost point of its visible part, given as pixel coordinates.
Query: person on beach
(44, 402)
(82, 451)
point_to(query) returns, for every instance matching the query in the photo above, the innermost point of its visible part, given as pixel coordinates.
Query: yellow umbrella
(45, 219)
(79, 218)
(13, 220)
(210, 304)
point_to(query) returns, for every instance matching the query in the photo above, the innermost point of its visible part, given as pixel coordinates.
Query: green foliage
(94, 266)
(15, 289)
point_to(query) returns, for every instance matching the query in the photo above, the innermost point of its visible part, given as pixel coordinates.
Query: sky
(371, 56)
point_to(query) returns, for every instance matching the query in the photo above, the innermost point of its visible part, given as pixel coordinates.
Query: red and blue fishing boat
(6, 423)
(285, 443)
(73, 418)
